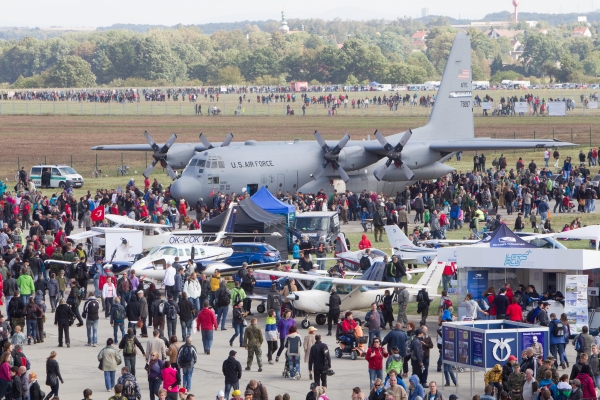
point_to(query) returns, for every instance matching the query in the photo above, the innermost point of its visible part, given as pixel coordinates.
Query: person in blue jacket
(415, 389)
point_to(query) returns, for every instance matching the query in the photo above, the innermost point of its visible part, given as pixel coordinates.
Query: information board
(521, 107)
(557, 108)
(449, 338)
(576, 302)
(487, 105)
(477, 283)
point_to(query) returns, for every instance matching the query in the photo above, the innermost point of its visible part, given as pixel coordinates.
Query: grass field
(228, 104)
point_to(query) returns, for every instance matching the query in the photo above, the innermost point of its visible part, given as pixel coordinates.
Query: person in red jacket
(514, 312)
(207, 322)
(171, 380)
(182, 211)
(509, 292)
(490, 295)
(348, 327)
(375, 356)
(364, 243)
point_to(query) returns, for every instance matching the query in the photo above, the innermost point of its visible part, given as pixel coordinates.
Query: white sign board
(557, 108)
(487, 105)
(576, 302)
(593, 104)
(521, 107)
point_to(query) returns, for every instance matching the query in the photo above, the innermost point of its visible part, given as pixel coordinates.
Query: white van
(61, 176)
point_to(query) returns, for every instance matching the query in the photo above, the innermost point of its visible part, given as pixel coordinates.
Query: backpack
(420, 297)
(185, 355)
(447, 304)
(161, 307)
(293, 345)
(532, 315)
(561, 395)
(579, 343)
(365, 263)
(559, 329)
(119, 313)
(170, 311)
(129, 347)
(277, 302)
(237, 277)
(128, 389)
(224, 298)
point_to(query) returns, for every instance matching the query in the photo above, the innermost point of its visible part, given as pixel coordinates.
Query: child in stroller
(567, 205)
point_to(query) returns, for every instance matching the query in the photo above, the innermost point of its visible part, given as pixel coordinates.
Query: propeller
(331, 156)
(394, 155)
(160, 155)
(209, 146)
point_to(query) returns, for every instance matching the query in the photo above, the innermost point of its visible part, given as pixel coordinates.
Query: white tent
(591, 232)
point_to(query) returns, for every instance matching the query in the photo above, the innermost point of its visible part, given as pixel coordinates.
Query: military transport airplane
(385, 165)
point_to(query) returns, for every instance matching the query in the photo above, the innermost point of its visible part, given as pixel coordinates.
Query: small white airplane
(351, 259)
(406, 250)
(157, 234)
(356, 294)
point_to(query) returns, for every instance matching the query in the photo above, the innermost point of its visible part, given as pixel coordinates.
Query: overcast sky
(76, 13)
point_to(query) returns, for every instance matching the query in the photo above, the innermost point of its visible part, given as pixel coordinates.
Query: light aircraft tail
(340, 244)
(433, 276)
(228, 224)
(397, 238)
(452, 114)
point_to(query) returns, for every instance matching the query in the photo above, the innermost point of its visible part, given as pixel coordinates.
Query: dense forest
(318, 51)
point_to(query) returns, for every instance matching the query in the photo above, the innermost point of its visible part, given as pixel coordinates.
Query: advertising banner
(534, 340)
(593, 104)
(449, 338)
(477, 283)
(487, 105)
(557, 108)
(521, 107)
(477, 349)
(576, 302)
(462, 339)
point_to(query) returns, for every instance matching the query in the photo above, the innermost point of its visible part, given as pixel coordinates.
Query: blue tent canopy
(504, 237)
(374, 83)
(265, 200)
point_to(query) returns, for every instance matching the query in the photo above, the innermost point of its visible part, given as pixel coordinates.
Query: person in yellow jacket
(215, 283)
(494, 378)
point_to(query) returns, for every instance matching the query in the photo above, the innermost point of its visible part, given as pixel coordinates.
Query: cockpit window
(214, 164)
(221, 164)
(192, 163)
(324, 286)
(201, 163)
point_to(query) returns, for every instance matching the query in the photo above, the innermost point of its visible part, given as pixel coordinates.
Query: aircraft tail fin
(228, 224)
(452, 114)
(433, 276)
(340, 244)
(397, 238)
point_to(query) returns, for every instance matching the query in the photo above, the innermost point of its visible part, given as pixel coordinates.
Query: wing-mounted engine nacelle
(437, 169)
(355, 157)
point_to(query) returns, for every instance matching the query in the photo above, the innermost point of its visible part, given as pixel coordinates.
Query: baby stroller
(286, 368)
(345, 343)
(568, 206)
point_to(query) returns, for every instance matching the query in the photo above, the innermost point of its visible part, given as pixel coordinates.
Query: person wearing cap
(308, 342)
(515, 383)
(220, 395)
(232, 370)
(507, 370)
(576, 390)
(312, 394)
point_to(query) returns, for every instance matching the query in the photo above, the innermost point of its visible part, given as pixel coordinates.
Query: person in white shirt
(169, 279)
(109, 292)
(194, 290)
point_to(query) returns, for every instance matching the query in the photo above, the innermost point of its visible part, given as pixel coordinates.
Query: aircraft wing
(187, 233)
(341, 281)
(120, 219)
(124, 147)
(449, 241)
(495, 144)
(84, 235)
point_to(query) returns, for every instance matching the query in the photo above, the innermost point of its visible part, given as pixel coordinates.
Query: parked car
(252, 253)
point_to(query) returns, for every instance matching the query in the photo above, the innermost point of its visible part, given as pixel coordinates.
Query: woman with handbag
(110, 360)
(52, 375)
(238, 322)
(271, 335)
(154, 368)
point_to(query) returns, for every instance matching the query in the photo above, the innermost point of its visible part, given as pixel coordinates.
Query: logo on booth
(515, 260)
(500, 345)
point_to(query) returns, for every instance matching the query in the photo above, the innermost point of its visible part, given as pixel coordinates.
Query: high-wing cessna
(406, 250)
(384, 165)
(356, 294)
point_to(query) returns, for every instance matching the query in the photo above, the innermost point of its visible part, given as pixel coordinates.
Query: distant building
(424, 12)
(496, 33)
(284, 28)
(517, 49)
(418, 38)
(582, 32)
(582, 19)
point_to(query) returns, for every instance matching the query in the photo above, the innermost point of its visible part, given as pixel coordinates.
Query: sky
(85, 13)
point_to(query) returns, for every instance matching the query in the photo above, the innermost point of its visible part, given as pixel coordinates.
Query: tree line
(337, 52)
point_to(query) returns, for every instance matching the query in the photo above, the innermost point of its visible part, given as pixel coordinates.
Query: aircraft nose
(187, 187)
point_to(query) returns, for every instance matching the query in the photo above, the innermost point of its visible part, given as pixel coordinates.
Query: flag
(463, 74)
(98, 214)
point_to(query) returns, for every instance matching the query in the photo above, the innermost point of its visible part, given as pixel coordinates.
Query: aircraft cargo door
(281, 182)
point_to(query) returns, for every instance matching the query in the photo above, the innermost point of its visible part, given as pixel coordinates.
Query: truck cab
(319, 227)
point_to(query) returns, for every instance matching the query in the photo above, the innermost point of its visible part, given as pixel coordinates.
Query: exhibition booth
(504, 257)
